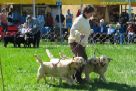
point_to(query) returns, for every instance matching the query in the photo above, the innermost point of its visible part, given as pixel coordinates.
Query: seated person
(24, 30)
(110, 33)
(130, 33)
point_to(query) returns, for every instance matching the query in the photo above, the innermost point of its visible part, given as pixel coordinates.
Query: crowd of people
(119, 32)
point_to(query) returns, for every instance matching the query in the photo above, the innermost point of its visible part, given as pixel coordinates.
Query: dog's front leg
(69, 80)
(44, 77)
(102, 77)
(87, 78)
(60, 81)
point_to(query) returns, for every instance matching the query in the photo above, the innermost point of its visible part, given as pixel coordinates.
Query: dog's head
(100, 61)
(93, 60)
(77, 62)
(104, 60)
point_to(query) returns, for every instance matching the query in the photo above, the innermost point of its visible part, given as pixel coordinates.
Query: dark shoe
(82, 81)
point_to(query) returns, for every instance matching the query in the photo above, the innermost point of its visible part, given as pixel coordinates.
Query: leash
(2, 75)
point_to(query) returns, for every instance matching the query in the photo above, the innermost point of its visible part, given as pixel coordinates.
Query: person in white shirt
(110, 33)
(111, 30)
(79, 34)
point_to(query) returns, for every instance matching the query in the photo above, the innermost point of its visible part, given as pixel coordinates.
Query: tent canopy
(68, 2)
(51, 2)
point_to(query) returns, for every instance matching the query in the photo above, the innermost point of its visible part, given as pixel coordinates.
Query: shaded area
(98, 85)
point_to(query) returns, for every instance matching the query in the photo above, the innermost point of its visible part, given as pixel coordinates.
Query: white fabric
(111, 31)
(80, 27)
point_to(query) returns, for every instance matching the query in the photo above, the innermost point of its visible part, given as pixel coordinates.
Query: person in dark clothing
(62, 19)
(3, 20)
(49, 20)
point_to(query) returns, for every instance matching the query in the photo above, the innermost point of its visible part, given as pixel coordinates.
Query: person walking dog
(79, 34)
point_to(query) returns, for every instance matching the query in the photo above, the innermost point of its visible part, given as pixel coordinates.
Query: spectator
(69, 19)
(23, 17)
(94, 25)
(110, 33)
(25, 29)
(103, 28)
(111, 30)
(130, 32)
(79, 34)
(47, 10)
(49, 20)
(3, 20)
(78, 12)
(14, 16)
(34, 25)
(120, 33)
(62, 20)
(41, 20)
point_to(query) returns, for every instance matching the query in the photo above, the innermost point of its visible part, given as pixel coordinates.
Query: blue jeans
(130, 38)
(122, 38)
(68, 25)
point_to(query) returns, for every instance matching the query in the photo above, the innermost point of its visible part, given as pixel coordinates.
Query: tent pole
(129, 9)
(34, 8)
(81, 6)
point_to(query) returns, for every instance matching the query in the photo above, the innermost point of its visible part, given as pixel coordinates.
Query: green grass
(20, 68)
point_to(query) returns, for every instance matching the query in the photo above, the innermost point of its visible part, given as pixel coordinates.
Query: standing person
(110, 33)
(120, 32)
(79, 34)
(3, 20)
(40, 19)
(62, 19)
(103, 28)
(130, 32)
(49, 20)
(35, 29)
(69, 19)
(78, 12)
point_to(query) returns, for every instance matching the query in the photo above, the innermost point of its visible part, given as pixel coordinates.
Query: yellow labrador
(61, 68)
(97, 65)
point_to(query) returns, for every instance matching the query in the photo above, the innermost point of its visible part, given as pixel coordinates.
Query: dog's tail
(49, 54)
(38, 59)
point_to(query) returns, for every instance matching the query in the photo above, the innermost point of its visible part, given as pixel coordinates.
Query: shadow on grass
(98, 85)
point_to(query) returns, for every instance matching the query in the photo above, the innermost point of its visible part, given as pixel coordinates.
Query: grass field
(20, 68)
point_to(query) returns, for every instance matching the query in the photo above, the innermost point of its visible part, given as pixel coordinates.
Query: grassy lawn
(20, 68)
